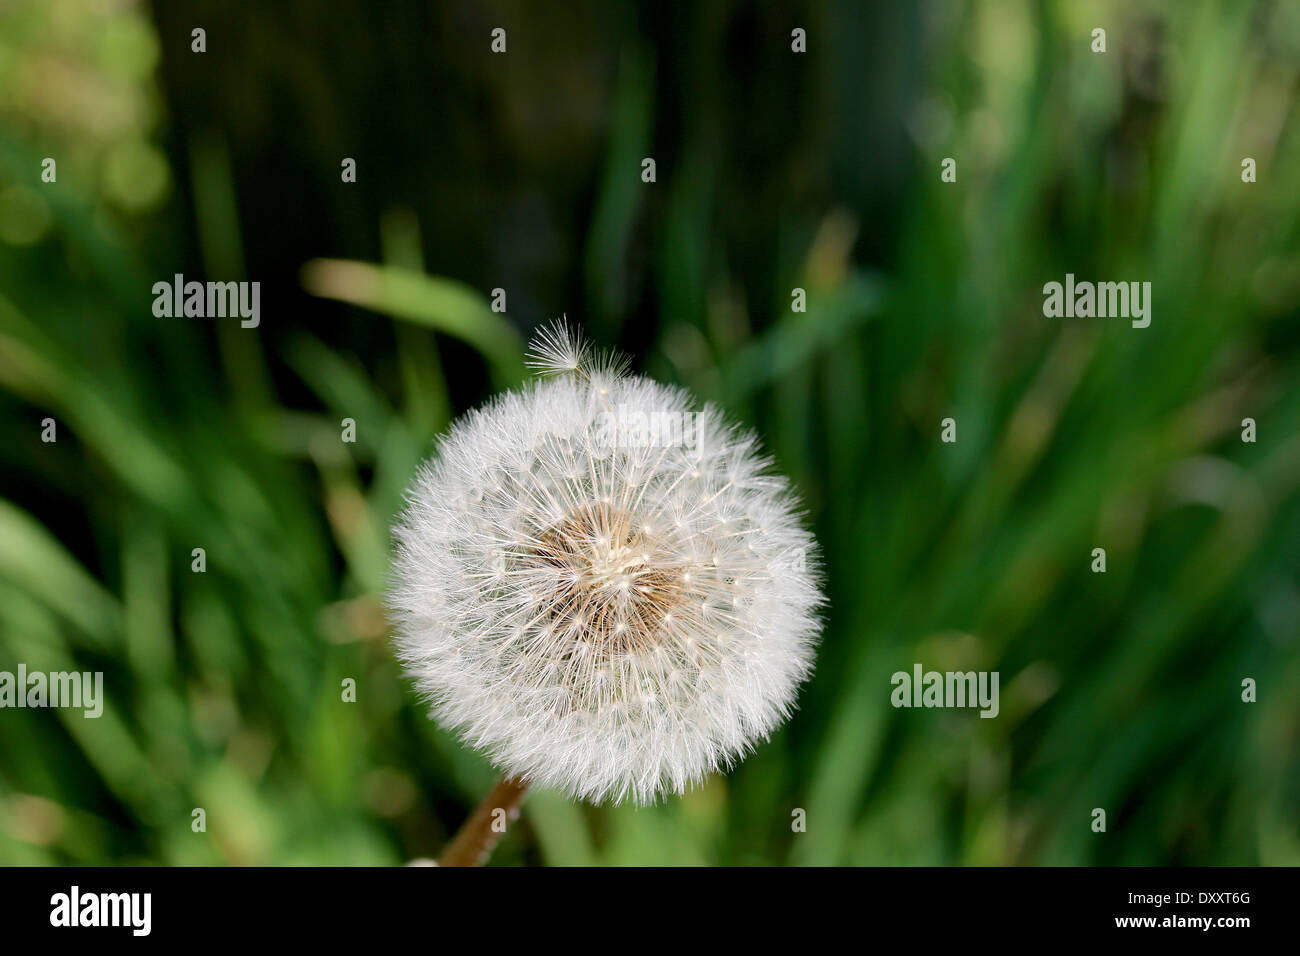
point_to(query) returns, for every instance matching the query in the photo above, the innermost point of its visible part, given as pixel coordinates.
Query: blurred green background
(775, 170)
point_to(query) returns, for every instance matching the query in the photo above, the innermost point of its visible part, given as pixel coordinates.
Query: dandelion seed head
(617, 619)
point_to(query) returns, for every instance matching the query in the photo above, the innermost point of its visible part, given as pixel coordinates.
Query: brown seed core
(617, 582)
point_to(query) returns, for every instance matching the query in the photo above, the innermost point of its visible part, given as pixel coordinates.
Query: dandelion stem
(473, 842)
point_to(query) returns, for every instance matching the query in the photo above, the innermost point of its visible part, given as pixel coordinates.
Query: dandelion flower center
(613, 583)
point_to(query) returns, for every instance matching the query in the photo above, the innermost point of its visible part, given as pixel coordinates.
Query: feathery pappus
(602, 586)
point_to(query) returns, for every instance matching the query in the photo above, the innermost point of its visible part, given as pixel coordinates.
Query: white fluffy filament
(602, 611)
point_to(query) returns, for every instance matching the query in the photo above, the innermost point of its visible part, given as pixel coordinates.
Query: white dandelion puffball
(601, 587)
